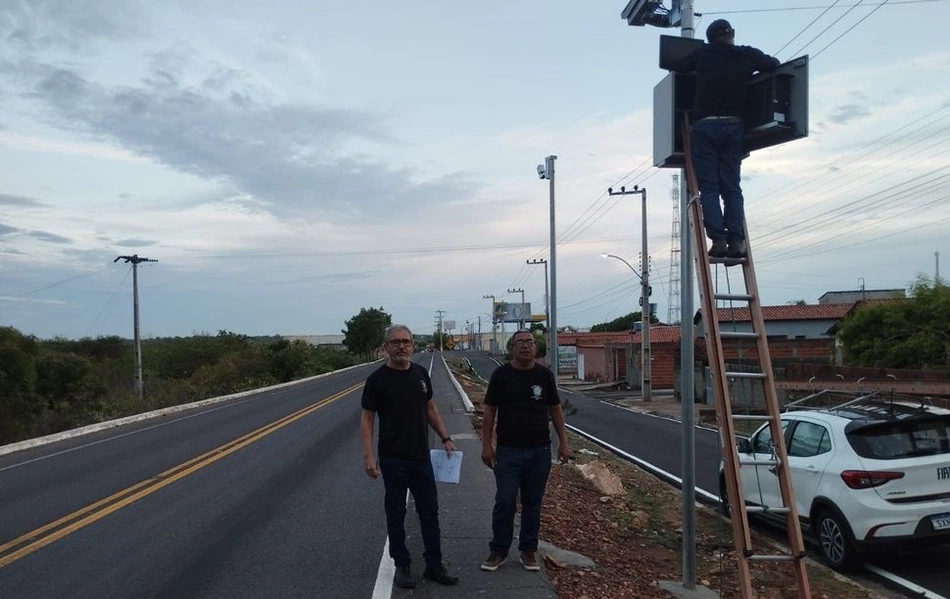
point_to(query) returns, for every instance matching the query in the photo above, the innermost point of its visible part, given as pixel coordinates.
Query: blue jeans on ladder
(717, 149)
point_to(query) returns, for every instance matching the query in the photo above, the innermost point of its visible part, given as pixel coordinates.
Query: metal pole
(646, 365)
(494, 329)
(549, 171)
(687, 394)
(138, 340)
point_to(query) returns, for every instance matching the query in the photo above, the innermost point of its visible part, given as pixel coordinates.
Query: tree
(623, 323)
(363, 334)
(911, 333)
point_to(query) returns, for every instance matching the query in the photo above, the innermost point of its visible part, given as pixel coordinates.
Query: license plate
(941, 522)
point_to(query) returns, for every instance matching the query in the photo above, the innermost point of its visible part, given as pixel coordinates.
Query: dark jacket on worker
(723, 72)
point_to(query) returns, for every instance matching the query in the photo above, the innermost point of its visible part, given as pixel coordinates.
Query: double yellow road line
(49, 533)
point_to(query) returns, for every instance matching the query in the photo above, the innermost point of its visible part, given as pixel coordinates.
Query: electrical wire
(798, 8)
(805, 28)
(877, 8)
(833, 23)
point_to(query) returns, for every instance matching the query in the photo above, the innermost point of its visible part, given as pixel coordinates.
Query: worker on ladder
(723, 72)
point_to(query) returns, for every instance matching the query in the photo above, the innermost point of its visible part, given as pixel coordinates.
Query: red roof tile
(658, 334)
(788, 312)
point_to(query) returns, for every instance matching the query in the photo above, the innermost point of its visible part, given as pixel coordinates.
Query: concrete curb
(101, 426)
(469, 406)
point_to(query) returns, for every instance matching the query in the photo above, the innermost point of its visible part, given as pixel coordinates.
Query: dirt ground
(634, 539)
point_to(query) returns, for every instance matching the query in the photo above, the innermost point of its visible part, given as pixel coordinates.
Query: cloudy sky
(292, 161)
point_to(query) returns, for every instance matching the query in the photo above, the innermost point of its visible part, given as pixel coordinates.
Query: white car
(866, 476)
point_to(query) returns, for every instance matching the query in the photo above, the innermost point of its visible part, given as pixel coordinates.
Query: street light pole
(546, 171)
(645, 292)
(646, 387)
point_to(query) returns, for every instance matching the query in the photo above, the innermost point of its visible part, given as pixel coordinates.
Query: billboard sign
(566, 358)
(449, 325)
(508, 312)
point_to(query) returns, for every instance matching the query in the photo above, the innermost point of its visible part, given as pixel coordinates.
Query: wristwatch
(446, 440)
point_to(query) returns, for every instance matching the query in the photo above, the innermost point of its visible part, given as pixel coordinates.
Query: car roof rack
(829, 399)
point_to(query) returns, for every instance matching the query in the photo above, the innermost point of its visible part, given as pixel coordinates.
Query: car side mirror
(744, 446)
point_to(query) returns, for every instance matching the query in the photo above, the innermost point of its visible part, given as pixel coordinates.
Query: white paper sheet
(447, 469)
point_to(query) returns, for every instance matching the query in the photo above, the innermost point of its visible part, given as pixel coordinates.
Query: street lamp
(646, 389)
(546, 171)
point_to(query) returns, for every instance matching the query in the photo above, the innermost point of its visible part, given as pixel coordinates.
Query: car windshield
(906, 439)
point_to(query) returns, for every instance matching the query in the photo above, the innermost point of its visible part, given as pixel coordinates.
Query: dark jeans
(524, 469)
(416, 476)
(717, 151)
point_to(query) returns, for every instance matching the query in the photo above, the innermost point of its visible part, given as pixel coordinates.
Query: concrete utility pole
(494, 328)
(547, 312)
(639, 13)
(521, 311)
(646, 362)
(440, 313)
(134, 260)
(546, 171)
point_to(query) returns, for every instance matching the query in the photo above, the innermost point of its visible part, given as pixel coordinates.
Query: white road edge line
(642, 463)
(927, 594)
(383, 589)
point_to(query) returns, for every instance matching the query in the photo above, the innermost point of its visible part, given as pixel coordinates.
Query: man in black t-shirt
(723, 72)
(522, 395)
(400, 393)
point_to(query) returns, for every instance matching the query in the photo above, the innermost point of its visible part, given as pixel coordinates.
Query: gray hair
(388, 333)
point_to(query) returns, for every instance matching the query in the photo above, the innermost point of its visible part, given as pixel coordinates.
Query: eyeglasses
(524, 342)
(398, 342)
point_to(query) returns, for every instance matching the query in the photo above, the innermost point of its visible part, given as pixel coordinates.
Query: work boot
(737, 249)
(439, 574)
(403, 578)
(718, 249)
(493, 562)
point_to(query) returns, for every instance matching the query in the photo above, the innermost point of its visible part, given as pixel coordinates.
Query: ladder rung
(727, 261)
(758, 462)
(772, 558)
(751, 417)
(745, 375)
(764, 509)
(727, 297)
(738, 335)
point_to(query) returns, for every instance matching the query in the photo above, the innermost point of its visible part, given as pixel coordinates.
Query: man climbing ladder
(723, 72)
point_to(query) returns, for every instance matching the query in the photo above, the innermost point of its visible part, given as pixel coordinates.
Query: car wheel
(837, 542)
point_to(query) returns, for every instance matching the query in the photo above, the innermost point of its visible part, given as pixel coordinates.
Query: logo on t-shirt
(536, 392)
(422, 384)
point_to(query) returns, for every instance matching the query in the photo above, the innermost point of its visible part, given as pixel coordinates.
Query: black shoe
(440, 575)
(718, 249)
(403, 578)
(737, 249)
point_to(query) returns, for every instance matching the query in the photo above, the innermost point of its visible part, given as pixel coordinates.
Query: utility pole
(440, 313)
(547, 313)
(546, 171)
(639, 13)
(479, 338)
(937, 271)
(134, 260)
(646, 363)
(494, 328)
(521, 311)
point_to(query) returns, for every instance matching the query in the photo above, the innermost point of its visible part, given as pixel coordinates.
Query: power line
(877, 8)
(799, 8)
(833, 23)
(777, 52)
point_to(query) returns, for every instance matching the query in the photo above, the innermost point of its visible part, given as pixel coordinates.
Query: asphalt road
(658, 442)
(255, 497)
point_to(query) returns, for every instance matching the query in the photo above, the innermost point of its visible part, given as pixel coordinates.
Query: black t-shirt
(400, 398)
(523, 399)
(723, 72)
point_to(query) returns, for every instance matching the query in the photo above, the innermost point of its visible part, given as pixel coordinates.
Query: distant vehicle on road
(867, 476)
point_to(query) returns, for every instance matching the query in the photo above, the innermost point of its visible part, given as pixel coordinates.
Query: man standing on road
(400, 393)
(723, 72)
(521, 394)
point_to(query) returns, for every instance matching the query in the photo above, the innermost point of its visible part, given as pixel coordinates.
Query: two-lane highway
(252, 497)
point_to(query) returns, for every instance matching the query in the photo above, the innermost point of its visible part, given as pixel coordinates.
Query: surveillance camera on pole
(652, 12)
(542, 174)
